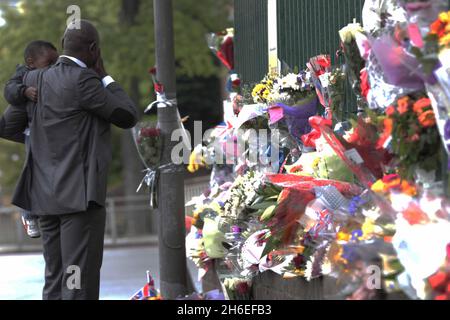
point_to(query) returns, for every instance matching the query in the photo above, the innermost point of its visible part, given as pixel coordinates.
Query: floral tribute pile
(361, 202)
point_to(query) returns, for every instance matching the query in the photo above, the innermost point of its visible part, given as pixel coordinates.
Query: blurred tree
(126, 28)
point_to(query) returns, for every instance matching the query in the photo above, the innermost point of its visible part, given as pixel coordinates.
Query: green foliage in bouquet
(336, 88)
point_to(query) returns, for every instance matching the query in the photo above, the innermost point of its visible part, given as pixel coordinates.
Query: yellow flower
(368, 228)
(196, 161)
(379, 187)
(444, 17)
(316, 162)
(343, 236)
(445, 40)
(257, 90)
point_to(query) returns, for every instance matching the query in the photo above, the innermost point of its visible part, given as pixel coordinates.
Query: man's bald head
(82, 42)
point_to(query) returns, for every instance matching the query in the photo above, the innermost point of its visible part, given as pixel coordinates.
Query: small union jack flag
(324, 221)
(148, 292)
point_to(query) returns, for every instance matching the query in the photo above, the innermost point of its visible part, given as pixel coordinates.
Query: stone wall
(271, 286)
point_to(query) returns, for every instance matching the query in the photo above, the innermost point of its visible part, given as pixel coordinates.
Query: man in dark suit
(65, 175)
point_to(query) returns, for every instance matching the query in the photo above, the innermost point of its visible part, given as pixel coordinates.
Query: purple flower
(356, 234)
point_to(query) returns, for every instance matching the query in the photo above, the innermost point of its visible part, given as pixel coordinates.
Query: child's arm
(16, 93)
(13, 123)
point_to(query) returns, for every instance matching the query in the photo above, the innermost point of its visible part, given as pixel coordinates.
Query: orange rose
(403, 108)
(408, 189)
(390, 111)
(403, 105)
(427, 119)
(421, 104)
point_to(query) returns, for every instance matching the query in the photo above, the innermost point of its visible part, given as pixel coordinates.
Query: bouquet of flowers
(262, 92)
(293, 100)
(222, 44)
(149, 143)
(353, 60)
(320, 68)
(237, 288)
(392, 70)
(195, 249)
(415, 138)
(242, 194)
(293, 88)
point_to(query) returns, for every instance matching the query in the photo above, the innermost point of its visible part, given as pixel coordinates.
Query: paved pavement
(123, 273)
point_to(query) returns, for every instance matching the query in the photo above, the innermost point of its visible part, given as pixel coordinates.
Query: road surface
(123, 273)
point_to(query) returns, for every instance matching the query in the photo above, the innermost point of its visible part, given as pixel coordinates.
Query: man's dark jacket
(70, 143)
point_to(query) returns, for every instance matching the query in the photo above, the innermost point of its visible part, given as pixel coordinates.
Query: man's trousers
(73, 253)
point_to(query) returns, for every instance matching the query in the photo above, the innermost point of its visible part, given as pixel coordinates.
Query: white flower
(325, 79)
(349, 32)
(326, 267)
(290, 82)
(309, 269)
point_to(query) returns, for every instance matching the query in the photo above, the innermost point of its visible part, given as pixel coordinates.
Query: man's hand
(100, 68)
(31, 94)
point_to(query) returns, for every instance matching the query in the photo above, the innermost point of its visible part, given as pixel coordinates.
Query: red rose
(242, 288)
(150, 132)
(142, 133)
(159, 88)
(236, 83)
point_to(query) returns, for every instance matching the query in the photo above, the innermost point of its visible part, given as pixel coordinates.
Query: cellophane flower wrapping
(296, 117)
(382, 94)
(400, 68)
(379, 15)
(147, 137)
(423, 12)
(381, 19)
(222, 45)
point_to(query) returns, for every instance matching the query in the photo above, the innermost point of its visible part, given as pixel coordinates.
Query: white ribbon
(161, 102)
